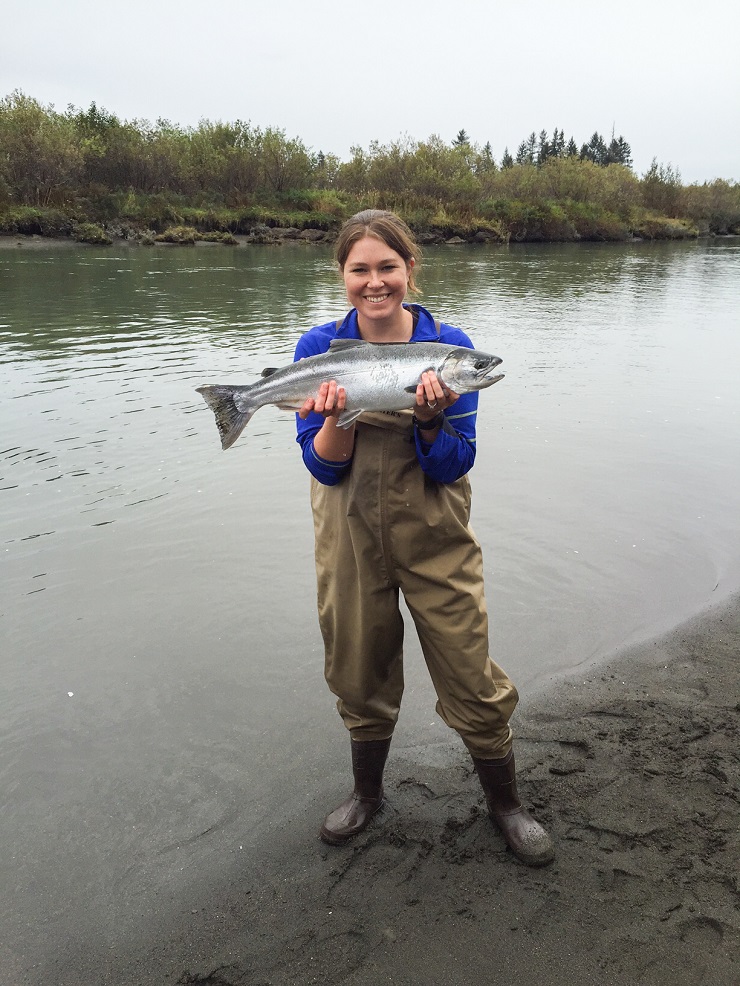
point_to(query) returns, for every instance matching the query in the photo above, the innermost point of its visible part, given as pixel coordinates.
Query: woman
(391, 504)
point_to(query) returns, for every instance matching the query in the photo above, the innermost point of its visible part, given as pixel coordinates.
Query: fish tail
(230, 419)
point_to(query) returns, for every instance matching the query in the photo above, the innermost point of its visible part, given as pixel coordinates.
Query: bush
(591, 222)
(652, 227)
(228, 239)
(90, 233)
(29, 220)
(183, 235)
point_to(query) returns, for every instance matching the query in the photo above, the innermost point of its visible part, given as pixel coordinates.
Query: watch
(435, 422)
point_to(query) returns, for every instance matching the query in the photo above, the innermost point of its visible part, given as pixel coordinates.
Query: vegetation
(89, 175)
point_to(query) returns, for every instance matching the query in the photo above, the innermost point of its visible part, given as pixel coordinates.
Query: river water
(160, 651)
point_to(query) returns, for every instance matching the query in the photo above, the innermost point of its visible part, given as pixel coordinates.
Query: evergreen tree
(557, 144)
(572, 149)
(507, 161)
(619, 151)
(462, 139)
(543, 148)
(595, 150)
(527, 151)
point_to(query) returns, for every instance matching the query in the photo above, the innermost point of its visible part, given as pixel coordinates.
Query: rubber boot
(355, 812)
(525, 837)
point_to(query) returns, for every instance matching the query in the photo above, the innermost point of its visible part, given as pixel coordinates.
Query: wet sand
(634, 768)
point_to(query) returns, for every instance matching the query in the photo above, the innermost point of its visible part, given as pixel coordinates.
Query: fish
(377, 376)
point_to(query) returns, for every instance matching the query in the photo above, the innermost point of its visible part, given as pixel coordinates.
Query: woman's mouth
(376, 299)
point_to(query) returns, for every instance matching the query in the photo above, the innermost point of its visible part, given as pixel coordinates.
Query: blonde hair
(385, 226)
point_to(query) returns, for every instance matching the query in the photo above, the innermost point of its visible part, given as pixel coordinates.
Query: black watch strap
(429, 425)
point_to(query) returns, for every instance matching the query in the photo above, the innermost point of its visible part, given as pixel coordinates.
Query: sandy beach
(633, 766)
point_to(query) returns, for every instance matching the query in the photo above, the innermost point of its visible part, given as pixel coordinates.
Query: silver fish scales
(375, 376)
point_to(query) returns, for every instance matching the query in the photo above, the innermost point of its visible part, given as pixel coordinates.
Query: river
(160, 650)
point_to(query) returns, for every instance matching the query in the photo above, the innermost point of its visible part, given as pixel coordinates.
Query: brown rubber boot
(355, 812)
(525, 837)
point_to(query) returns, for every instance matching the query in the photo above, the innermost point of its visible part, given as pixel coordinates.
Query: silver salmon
(377, 376)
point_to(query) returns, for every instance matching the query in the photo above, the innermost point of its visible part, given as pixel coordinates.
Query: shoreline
(14, 241)
(634, 766)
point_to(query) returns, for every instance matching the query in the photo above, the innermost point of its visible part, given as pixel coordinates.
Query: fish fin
(347, 418)
(289, 406)
(269, 370)
(338, 344)
(230, 419)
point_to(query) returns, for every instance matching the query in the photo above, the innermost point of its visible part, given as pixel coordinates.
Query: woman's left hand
(432, 396)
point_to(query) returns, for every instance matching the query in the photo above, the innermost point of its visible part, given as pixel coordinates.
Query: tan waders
(386, 528)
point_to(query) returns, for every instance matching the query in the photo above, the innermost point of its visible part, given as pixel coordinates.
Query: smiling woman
(391, 507)
(376, 279)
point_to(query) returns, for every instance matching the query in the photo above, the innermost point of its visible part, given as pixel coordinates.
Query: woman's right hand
(329, 403)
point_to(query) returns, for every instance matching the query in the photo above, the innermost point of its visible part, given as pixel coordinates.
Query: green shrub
(29, 220)
(653, 227)
(593, 222)
(90, 233)
(183, 235)
(228, 239)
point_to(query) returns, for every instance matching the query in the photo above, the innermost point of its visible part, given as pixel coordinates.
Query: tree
(286, 164)
(595, 150)
(557, 144)
(40, 160)
(507, 161)
(352, 175)
(619, 151)
(662, 189)
(544, 148)
(527, 151)
(462, 139)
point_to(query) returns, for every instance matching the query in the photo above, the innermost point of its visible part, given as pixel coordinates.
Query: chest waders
(386, 529)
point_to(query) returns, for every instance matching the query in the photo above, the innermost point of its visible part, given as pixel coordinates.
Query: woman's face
(376, 278)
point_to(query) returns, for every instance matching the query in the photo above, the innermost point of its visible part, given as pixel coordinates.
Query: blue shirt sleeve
(326, 472)
(450, 456)
(452, 453)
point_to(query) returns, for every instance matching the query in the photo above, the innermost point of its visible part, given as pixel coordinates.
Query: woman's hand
(331, 442)
(330, 403)
(432, 396)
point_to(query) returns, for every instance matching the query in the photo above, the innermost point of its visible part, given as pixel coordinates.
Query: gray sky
(665, 74)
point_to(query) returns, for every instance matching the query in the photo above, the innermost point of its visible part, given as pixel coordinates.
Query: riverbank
(634, 769)
(277, 237)
(148, 221)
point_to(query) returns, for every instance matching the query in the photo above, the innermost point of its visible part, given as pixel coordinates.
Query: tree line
(91, 165)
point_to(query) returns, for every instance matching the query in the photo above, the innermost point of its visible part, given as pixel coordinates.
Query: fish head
(464, 370)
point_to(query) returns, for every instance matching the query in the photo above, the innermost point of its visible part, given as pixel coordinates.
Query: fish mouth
(488, 373)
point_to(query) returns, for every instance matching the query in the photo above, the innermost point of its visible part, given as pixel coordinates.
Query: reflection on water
(160, 654)
(608, 465)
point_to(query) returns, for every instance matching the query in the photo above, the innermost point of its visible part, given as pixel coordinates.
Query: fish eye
(481, 364)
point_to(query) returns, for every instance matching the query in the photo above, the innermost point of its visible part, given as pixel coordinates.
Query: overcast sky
(665, 74)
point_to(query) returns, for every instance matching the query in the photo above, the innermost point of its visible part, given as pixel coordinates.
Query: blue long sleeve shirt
(452, 453)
